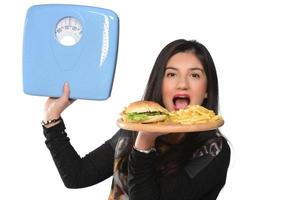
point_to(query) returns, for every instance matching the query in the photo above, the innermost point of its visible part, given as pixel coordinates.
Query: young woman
(145, 165)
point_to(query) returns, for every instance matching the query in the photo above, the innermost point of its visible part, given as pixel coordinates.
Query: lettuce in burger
(144, 112)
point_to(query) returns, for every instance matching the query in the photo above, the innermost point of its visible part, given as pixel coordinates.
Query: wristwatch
(147, 151)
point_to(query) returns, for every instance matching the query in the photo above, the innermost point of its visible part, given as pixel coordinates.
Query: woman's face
(184, 82)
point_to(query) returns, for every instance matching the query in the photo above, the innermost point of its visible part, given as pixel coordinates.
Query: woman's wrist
(51, 125)
(145, 141)
(50, 116)
(51, 122)
(145, 151)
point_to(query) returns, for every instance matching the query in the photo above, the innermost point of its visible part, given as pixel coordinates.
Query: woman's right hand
(55, 106)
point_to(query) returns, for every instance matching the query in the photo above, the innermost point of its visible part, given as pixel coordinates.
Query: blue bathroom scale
(70, 43)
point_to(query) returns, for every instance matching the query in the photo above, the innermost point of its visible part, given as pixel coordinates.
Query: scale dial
(68, 31)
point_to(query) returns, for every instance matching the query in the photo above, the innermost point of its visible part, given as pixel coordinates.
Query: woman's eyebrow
(191, 69)
(171, 68)
(197, 68)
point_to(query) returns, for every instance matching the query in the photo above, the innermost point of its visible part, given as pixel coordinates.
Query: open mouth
(181, 101)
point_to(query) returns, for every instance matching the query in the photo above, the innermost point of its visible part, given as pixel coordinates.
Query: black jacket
(202, 177)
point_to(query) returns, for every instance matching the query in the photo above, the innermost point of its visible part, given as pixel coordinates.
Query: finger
(66, 91)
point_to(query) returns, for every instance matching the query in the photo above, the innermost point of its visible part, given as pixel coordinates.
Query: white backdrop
(246, 40)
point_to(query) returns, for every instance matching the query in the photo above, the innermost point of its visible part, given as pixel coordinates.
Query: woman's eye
(195, 75)
(170, 74)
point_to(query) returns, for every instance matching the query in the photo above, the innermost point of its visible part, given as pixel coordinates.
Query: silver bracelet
(147, 151)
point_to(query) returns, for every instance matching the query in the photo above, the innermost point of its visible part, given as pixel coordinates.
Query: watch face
(68, 31)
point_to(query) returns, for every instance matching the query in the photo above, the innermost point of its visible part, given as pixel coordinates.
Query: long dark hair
(178, 154)
(154, 85)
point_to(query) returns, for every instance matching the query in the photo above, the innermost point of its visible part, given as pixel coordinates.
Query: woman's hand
(146, 140)
(55, 106)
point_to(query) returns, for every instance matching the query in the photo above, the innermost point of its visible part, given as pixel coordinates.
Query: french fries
(194, 114)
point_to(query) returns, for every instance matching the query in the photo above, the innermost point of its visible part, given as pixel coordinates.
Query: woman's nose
(182, 84)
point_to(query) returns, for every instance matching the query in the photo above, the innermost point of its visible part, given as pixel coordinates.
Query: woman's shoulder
(212, 146)
(211, 151)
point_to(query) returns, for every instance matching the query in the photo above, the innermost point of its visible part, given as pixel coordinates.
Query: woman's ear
(206, 95)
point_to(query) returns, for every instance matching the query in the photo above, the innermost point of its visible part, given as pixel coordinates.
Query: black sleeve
(202, 178)
(77, 172)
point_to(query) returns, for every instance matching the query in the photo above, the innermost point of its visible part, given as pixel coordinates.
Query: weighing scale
(70, 43)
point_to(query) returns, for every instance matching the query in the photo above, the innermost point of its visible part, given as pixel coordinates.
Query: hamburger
(144, 112)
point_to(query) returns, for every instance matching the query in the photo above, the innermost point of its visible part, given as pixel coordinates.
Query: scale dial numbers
(68, 31)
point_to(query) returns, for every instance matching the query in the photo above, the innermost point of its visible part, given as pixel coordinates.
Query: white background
(246, 40)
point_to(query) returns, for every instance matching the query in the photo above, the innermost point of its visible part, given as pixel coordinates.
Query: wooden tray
(164, 127)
